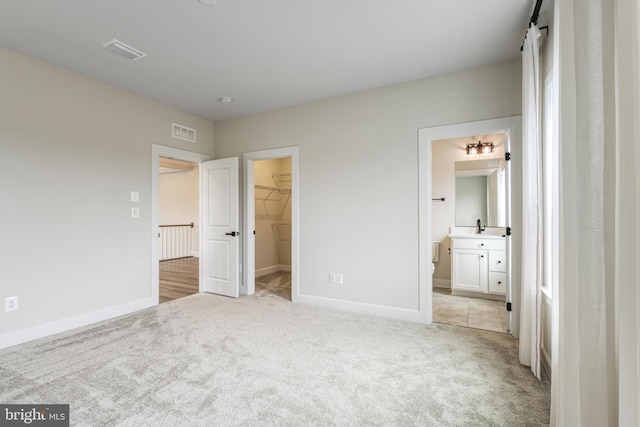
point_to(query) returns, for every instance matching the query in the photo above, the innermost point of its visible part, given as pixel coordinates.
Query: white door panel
(220, 260)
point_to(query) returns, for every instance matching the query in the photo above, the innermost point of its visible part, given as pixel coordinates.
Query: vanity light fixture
(480, 148)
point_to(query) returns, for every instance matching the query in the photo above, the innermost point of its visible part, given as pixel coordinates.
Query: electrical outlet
(336, 278)
(11, 304)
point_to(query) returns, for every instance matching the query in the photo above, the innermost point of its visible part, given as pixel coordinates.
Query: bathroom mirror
(480, 193)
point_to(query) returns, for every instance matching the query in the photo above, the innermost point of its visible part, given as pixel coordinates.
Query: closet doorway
(270, 216)
(272, 198)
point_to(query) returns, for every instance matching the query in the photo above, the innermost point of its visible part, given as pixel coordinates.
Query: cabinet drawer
(475, 243)
(497, 261)
(497, 283)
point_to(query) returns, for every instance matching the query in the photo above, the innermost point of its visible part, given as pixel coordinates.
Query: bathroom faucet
(480, 227)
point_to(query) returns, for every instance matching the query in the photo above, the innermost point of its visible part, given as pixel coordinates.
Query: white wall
(179, 201)
(72, 151)
(359, 175)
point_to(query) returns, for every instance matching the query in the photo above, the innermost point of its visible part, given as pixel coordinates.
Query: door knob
(233, 233)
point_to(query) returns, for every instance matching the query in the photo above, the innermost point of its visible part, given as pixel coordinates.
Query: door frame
(247, 286)
(158, 151)
(512, 126)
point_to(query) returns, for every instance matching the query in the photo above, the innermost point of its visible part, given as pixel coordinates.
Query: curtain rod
(534, 20)
(536, 13)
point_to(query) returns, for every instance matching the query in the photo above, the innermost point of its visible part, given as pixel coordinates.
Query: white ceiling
(266, 54)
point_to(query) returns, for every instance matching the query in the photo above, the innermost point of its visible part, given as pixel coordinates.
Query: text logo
(34, 415)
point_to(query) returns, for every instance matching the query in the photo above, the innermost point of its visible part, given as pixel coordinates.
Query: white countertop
(472, 233)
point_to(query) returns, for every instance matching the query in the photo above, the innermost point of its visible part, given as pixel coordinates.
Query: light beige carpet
(207, 360)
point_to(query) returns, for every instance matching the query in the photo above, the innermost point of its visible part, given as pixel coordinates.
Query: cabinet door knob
(499, 261)
(481, 244)
(481, 256)
(499, 283)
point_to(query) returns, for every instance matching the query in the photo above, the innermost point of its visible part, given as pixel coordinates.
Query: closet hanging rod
(265, 187)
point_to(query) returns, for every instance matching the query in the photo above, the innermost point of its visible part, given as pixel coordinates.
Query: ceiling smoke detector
(225, 100)
(125, 50)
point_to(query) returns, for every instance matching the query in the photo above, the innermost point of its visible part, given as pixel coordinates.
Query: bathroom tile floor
(475, 313)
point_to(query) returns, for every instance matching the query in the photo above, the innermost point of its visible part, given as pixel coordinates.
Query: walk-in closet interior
(272, 180)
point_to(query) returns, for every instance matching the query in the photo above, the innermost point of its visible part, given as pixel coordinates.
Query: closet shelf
(274, 189)
(279, 198)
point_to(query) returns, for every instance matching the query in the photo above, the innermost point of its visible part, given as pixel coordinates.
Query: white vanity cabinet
(478, 264)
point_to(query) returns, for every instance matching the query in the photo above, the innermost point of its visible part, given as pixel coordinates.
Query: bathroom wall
(444, 154)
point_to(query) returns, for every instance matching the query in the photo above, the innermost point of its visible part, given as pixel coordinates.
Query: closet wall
(272, 179)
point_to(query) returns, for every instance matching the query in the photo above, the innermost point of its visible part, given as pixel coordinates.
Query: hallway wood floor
(178, 278)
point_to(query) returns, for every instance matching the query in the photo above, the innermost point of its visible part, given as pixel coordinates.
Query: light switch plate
(11, 304)
(135, 212)
(135, 196)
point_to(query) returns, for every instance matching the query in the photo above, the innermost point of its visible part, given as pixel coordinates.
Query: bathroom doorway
(469, 190)
(490, 280)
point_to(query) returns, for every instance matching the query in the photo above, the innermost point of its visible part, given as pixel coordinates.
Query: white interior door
(507, 201)
(219, 263)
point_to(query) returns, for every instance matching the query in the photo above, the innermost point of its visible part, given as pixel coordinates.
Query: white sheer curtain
(596, 365)
(531, 297)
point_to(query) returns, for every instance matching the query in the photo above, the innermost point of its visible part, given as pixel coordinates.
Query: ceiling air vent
(118, 47)
(183, 132)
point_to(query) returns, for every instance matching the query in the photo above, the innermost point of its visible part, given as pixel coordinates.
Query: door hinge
(507, 156)
(508, 231)
(508, 306)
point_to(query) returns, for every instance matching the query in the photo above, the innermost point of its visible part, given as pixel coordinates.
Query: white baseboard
(12, 338)
(545, 361)
(273, 269)
(442, 283)
(363, 308)
(195, 254)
